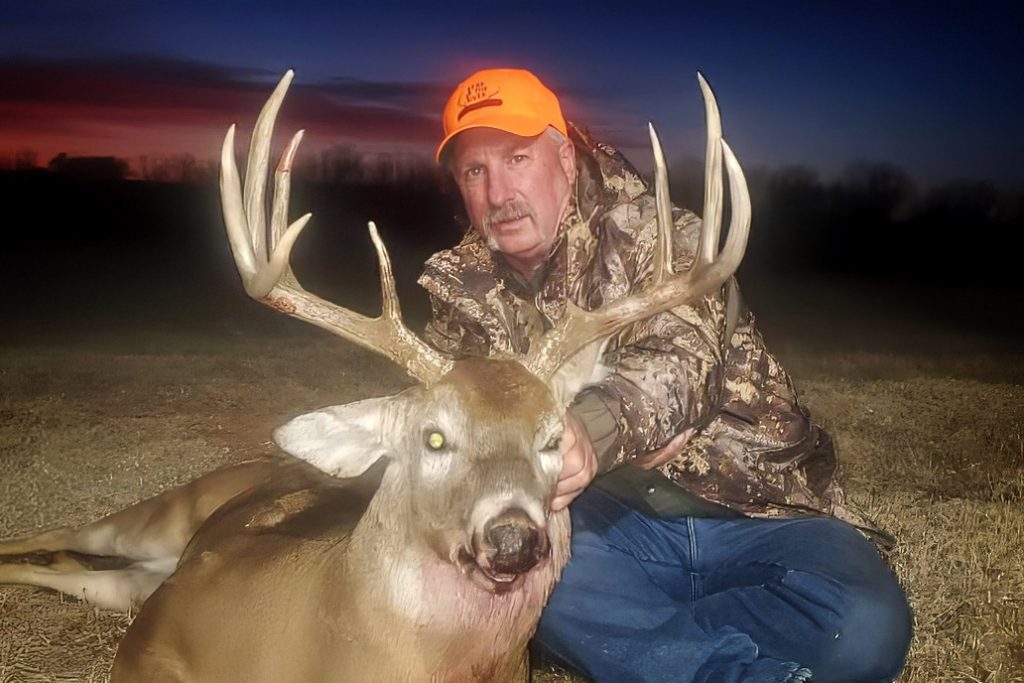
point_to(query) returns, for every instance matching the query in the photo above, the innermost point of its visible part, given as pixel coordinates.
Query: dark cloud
(420, 96)
(136, 100)
(41, 97)
(85, 79)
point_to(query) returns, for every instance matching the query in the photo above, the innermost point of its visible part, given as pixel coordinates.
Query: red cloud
(147, 106)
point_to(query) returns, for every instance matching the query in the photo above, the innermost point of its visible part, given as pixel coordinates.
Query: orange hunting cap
(512, 100)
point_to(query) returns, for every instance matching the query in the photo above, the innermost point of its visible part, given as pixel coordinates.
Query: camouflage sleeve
(452, 332)
(667, 371)
(450, 277)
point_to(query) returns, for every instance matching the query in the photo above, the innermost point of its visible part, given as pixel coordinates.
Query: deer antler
(578, 327)
(270, 280)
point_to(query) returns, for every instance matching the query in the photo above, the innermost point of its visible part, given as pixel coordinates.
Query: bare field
(932, 446)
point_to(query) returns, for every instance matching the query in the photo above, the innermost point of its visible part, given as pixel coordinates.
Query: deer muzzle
(509, 545)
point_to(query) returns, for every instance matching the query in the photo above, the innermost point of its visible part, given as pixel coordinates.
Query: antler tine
(712, 216)
(259, 160)
(258, 275)
(234, 211)
(282, 190)
(281, 239)
(270, 280)
(578, 327)
(739, 223)
(389, 293)
(663, 247)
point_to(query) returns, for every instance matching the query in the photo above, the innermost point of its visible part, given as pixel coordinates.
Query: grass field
(98, 413)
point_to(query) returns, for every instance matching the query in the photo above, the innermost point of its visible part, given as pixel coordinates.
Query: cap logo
(476, 92)
(477, 95)
(493, 102)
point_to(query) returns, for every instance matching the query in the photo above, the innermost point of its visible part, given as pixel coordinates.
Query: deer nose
(513, 543)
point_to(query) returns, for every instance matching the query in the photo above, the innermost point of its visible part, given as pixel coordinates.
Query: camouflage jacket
(755, 450)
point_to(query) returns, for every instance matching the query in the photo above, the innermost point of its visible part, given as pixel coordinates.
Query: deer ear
(582, 368)
(342, 441)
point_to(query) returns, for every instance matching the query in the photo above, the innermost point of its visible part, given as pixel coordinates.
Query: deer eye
(435, 440)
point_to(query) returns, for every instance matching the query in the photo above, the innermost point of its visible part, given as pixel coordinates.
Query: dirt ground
(99, 412)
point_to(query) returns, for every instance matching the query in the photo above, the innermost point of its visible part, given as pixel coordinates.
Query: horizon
(932, 89)
(386, 168)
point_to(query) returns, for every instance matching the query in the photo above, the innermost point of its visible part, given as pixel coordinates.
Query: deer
(409, 537)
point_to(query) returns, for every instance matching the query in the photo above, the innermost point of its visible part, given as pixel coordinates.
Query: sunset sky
(933, 87)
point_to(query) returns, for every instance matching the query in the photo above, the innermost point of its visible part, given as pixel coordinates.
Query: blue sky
(933, 87)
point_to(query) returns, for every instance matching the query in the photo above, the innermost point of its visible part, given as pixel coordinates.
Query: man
(713, 550)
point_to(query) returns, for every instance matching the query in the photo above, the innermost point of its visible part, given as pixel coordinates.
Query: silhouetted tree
(177, 168)
(881, 190)
(341, 164)
(25, 159)
(90, 168)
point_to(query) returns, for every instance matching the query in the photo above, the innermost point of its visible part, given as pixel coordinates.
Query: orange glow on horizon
(83, 112)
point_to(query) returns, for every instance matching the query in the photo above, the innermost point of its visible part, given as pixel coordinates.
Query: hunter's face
(516, 190)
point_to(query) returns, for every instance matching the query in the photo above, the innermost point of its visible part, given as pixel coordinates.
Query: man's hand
(657, 458)
(579, 462)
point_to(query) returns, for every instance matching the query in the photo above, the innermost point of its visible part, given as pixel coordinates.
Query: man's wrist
(601, 423)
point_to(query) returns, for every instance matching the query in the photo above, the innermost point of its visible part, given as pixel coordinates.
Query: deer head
(474, 447)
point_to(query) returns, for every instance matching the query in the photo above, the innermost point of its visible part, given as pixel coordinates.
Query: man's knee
(872, 635)
(864, 620)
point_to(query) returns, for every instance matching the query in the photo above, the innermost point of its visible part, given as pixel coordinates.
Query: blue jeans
(722, 600)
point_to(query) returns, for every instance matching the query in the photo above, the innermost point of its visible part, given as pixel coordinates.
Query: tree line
(872, 218)
(339, 164)
(875, 217)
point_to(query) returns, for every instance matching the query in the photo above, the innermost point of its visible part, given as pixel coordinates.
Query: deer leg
(115, 589)
(158, 528)
(48, 541)
(154, 528)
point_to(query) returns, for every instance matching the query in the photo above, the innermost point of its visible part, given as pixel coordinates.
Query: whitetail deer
(420, 545)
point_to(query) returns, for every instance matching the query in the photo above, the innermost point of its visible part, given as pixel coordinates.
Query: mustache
(510, 211)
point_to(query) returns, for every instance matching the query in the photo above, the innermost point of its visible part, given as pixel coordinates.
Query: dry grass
(931, 447)
(940, 463)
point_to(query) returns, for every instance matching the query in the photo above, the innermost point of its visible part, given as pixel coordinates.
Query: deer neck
(408, 595)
